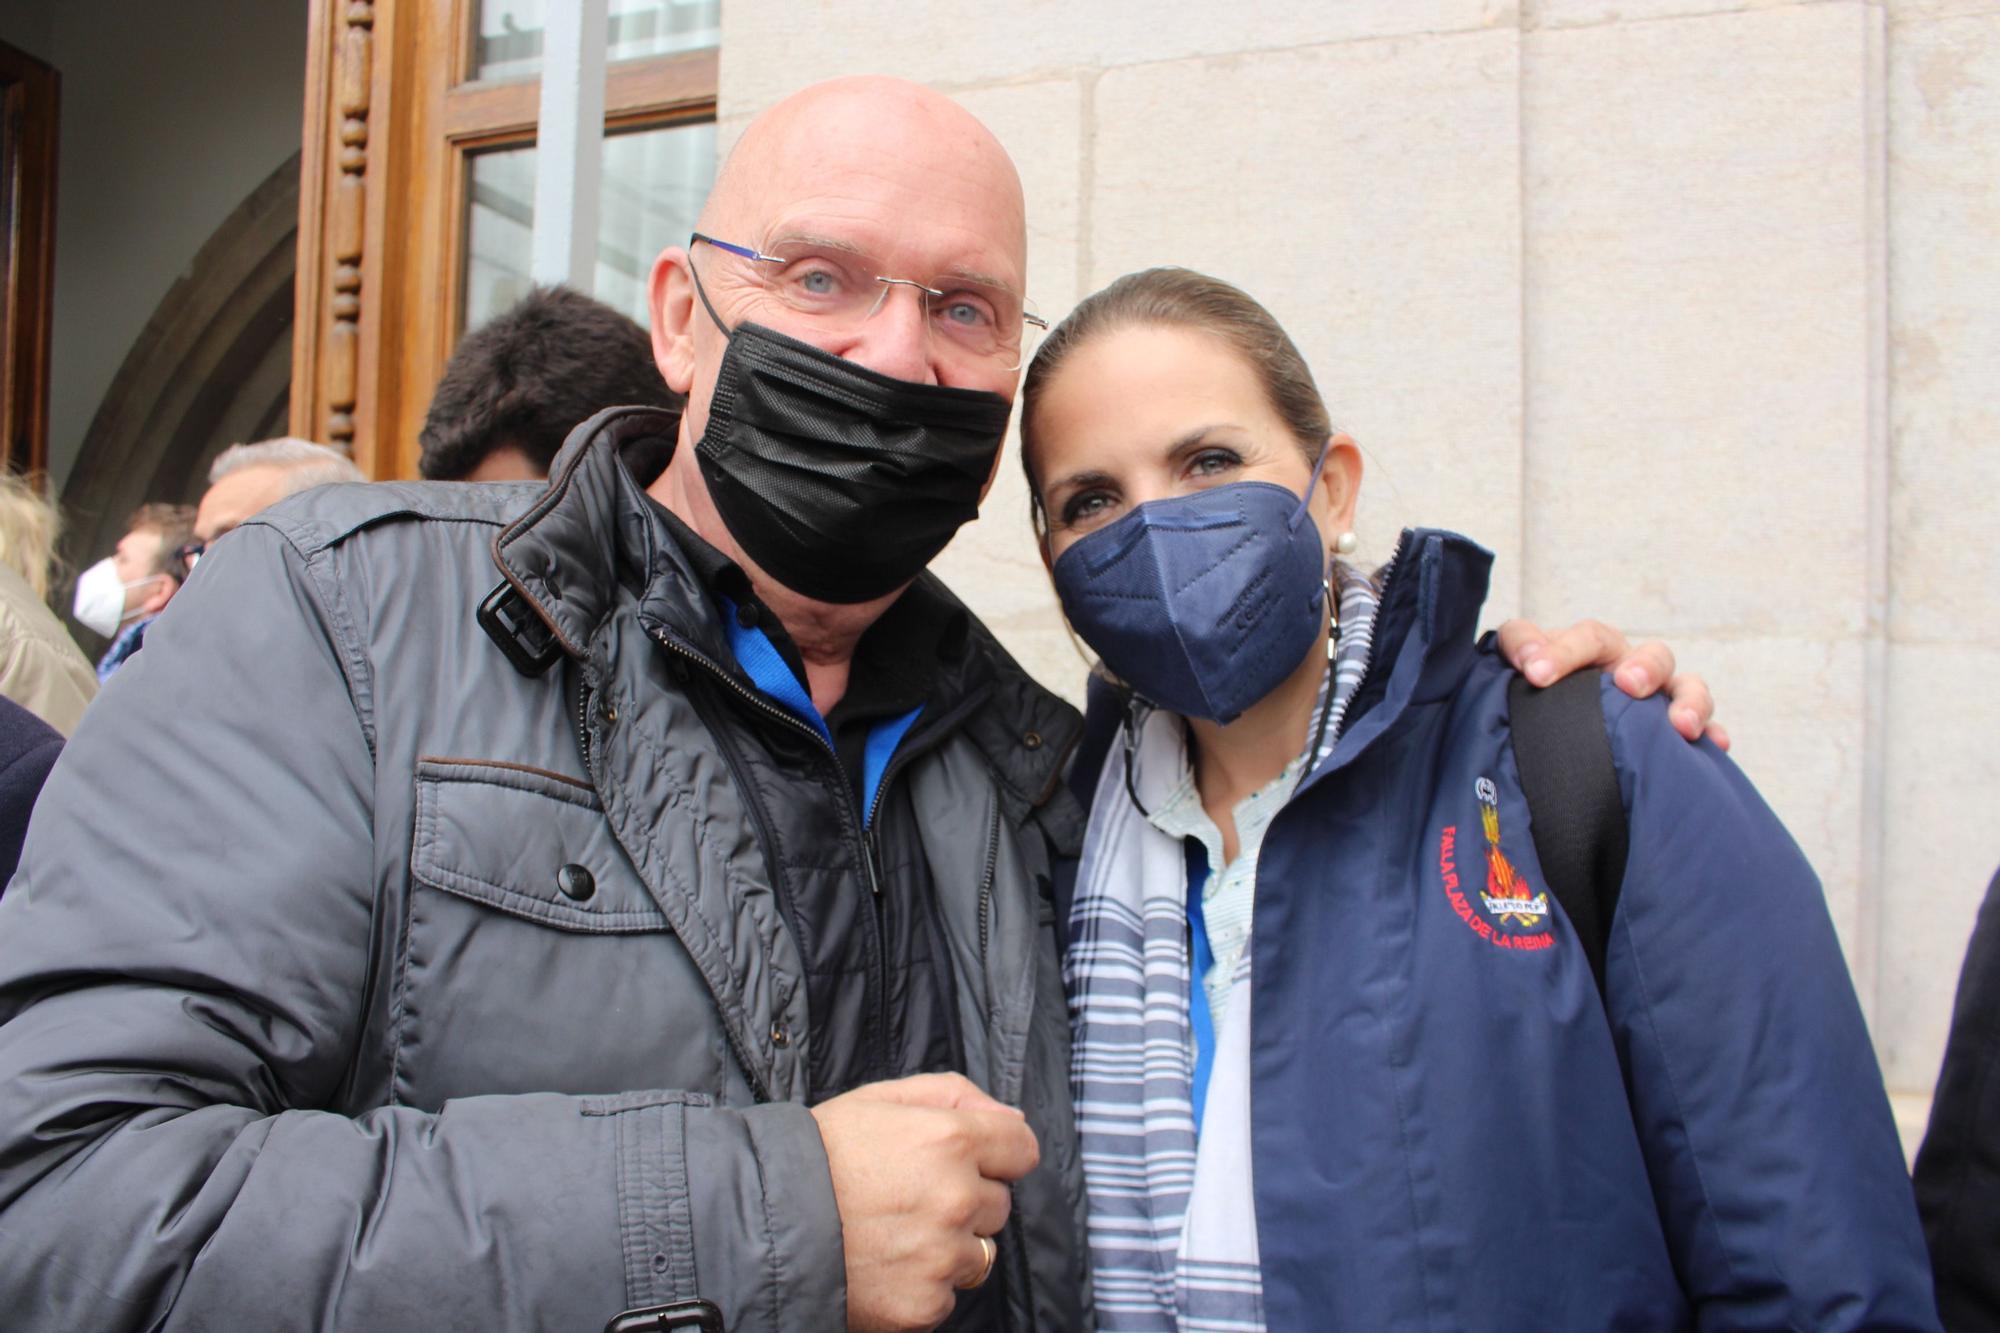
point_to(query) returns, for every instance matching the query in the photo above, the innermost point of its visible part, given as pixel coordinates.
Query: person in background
(122, 594)
(41, 668)
(1958, 1166)
(246, 479)
(28, 750)
(522, 381)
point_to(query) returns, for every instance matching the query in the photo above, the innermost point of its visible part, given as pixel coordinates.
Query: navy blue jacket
(28, 750)
(1452, 1130)
(1958, 1168)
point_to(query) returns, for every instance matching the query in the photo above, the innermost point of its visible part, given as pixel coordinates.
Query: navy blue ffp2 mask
(1205, 602)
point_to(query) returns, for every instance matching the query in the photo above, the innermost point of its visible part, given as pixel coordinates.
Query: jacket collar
(594, 528)
(590, 529)
(1432, 590)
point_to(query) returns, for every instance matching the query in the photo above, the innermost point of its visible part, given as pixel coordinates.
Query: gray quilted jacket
(355, 979)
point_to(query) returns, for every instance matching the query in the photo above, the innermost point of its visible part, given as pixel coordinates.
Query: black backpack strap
(1574, 805)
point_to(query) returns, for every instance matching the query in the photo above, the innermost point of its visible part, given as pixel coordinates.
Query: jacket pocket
(533, 958)
(529, 842)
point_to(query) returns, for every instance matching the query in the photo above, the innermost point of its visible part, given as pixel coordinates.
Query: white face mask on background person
(101, 596)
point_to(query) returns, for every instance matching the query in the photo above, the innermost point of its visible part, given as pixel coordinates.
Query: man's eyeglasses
(189, 552)
(839, 289)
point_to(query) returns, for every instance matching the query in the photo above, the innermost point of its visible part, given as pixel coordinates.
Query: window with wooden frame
(29, 94)
(417, 190)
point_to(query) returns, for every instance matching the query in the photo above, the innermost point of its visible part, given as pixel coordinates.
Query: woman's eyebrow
(1078, 480)
(1182, 444)
(1193, 439)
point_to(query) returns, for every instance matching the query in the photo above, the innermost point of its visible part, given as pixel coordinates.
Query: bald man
(620, 905)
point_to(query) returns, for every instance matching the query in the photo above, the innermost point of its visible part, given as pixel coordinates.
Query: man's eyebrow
(816, 240)
(973, 275)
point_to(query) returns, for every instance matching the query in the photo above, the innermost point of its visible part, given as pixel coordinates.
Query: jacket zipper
(1311, 772)
(1017, 1248)
(1381, 582)
(1020, 1272)
(771, 710)
(900, 759)
(583, 727)
(847, 802)
(986, 910)
(1383, 574)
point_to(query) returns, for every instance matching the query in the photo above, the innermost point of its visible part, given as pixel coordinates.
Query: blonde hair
(29, 526)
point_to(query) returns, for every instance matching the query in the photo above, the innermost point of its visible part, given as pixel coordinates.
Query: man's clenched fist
(920, 1169)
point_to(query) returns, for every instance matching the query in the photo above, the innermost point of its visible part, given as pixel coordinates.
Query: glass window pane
(507, 34)
(654, 182)
(642, 28)
(499, 224)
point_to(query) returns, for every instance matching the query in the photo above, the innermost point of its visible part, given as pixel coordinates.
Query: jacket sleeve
(1958, 1168)
(184, 966)
(1755, 1091)
(29, 748)
(52, 683)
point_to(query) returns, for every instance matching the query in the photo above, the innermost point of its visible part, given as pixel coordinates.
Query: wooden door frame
(30, 100)
(389, 124)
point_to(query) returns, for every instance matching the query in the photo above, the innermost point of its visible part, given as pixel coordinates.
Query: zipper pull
(869, 859)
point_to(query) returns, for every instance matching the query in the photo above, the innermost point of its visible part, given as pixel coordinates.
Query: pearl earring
(1346, 543)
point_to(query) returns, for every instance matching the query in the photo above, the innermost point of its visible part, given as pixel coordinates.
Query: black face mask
(839, 482)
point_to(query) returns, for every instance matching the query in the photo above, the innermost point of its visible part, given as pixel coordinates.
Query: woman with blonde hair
(41, 668)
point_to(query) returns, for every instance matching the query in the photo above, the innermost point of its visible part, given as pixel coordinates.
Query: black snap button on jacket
(576, 882)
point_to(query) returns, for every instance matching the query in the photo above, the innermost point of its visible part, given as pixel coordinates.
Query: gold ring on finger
(990, 1251)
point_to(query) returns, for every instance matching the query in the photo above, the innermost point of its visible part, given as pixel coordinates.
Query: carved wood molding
(350, 195)
(390, 127)
(363, 300)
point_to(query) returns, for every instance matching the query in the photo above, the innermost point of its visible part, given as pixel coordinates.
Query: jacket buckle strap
(521, 634)
(701, 1316)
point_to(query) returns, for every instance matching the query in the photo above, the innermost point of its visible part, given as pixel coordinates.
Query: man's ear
(164, 588)
(670, 296)
(1340, 482)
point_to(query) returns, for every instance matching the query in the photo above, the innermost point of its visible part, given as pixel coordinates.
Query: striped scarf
(1172, 1229)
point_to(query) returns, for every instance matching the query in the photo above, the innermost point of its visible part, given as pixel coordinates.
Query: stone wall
(1681, 306)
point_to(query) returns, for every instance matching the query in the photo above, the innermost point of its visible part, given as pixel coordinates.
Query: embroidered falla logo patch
(1507, 912)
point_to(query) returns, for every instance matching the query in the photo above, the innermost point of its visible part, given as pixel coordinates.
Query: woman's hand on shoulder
(1641, 672)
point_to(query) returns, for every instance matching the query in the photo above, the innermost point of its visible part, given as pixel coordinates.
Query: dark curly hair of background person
(529, 375)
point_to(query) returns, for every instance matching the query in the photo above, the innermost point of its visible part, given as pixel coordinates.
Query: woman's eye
(1083, 508)
(1210, 462)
